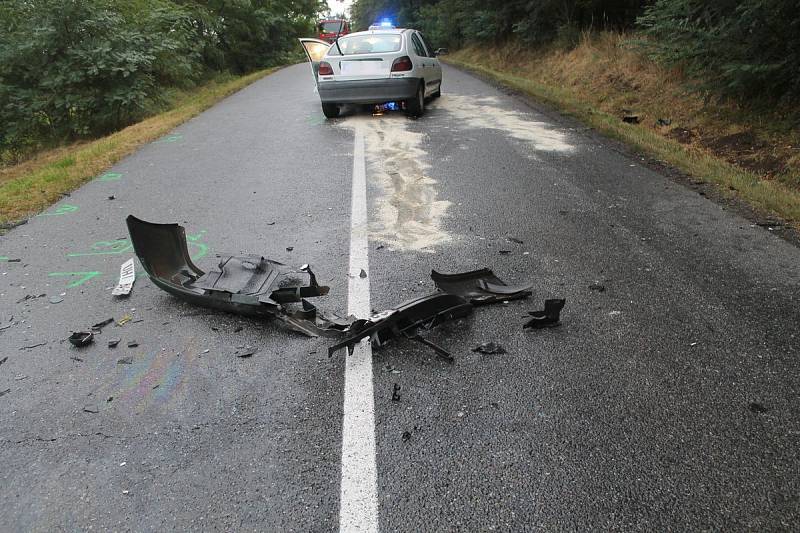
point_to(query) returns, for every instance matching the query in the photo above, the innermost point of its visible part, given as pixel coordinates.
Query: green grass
(31, 186)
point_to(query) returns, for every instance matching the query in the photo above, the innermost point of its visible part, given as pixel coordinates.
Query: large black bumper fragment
(480, 287)
(405, 320)
(246, 285)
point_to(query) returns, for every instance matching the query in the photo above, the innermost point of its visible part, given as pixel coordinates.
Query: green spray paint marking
(175, 137)
(110, 176)
(117, 247)
(202, 249)
(63, 209)
(84, 277)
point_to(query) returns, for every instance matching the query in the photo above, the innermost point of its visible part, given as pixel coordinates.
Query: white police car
(381, 65)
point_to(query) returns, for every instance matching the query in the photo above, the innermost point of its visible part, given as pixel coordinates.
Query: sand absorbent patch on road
(408, 213)
(484, 112)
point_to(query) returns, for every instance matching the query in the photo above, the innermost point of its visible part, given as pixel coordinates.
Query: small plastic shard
(124, 320)
(396, 393)
(127, 275)
(133, 344)
(56, 299)
(246, 352)
(112, 343)
(514, 240)
(125, 360)
(504, 252)
(81, 338)
(362, 274)
(89, 409)
(97, 328)
(3, 360)
(549, 318)
(489, 348)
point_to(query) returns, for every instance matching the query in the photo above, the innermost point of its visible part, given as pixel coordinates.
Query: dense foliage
(72, 68)
(743, 48)
(456, 22)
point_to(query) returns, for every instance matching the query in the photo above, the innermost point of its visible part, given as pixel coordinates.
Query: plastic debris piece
(549, 318)
(127, 275)
(480, 287)
(124, 320)
(596, 286)
(504, 252)
(133, 344)
(514, 239)
(362, 274)
(30, 297)
(396, 393)
(405, 320)
(93, 410)
(81, 338)
(56, 299)
(112, 343)
(247, 285)
(489, 348)
(289, 248)
(630, 119)
(128, 360)
(246, 352)
(100, 325)
(3, 360)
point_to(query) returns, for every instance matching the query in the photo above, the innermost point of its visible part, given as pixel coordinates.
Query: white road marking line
(358, 500)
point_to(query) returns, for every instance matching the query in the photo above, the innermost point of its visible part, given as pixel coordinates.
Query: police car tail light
(325, 69)
(402, 64)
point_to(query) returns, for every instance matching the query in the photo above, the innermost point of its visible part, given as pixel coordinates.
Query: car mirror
(441, 52)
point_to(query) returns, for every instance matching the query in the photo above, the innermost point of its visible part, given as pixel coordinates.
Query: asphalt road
(667, 401)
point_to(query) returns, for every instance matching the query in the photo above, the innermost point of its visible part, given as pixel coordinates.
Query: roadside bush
(71, 68)
(745, 48)
(82, 68)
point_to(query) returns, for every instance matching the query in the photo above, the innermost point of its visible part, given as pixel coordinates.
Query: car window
(427, 44)
(331, 26)
(371, 43)
(419, 49)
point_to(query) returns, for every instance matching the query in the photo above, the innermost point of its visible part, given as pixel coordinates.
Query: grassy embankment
(37, 183)
(750, 153)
